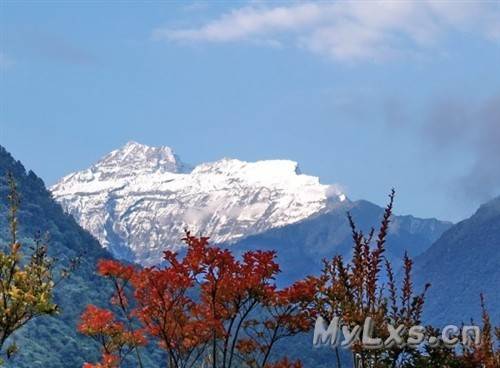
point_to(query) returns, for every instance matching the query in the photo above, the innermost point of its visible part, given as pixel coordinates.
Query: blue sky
(370, 95)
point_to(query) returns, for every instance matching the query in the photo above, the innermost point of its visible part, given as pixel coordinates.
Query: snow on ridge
(135, 156)
(137, 200)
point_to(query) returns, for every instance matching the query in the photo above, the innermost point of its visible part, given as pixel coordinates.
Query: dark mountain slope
(53, 341)
(464, 262)
(303, 245)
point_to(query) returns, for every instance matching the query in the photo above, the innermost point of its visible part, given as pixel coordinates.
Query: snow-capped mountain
(138, 200)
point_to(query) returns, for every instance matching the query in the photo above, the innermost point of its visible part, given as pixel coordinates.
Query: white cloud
(348, 30)
(247, 22)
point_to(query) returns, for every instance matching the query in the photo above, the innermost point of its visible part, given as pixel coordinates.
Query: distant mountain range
(302, 246)
(461, 263)
(138, 200)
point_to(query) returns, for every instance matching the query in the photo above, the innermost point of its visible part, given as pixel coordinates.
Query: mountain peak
(134, 157)
(489, 209)
(139, 199)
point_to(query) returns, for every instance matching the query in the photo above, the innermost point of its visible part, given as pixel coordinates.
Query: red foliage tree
(207, 307)
(115, 339)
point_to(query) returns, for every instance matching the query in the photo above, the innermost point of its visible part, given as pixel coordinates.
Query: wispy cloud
(5, 61)
(474, 128)
(196, 6)
(348, 30)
